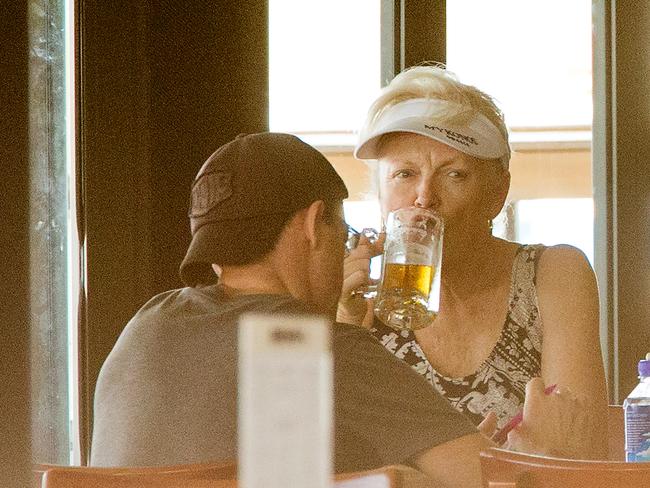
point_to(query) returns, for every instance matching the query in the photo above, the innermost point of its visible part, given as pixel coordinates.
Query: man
(266, 215)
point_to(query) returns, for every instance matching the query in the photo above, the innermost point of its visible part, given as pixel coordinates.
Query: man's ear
(312, 222)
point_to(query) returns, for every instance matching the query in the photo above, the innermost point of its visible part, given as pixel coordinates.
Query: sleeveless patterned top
(499, 385)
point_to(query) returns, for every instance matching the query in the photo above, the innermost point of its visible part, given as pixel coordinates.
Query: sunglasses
(354, 236)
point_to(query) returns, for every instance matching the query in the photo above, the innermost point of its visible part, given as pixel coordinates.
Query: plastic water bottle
(637, 417)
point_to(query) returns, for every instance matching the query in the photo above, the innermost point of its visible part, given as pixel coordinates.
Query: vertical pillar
(622, 185)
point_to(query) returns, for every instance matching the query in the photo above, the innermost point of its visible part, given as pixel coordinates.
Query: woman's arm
(571, 354)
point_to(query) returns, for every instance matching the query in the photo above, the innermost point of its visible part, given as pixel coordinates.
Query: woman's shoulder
(551, 268)
(565, 278)
(562, 260)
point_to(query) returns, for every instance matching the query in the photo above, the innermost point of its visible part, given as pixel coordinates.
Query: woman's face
(415, 170)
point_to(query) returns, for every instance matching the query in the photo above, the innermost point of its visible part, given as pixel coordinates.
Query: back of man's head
(245, 193)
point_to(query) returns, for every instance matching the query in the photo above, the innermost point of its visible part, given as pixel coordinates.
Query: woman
(508, 312)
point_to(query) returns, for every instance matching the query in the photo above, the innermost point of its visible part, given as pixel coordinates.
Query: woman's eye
(456, 174)
(402, 173)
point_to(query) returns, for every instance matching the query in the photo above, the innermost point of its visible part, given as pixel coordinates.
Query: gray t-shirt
(167, 393)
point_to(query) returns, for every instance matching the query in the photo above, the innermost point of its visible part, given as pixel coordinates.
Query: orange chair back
(210, 476)
(163, 476)
(395, 476)
(504, 469)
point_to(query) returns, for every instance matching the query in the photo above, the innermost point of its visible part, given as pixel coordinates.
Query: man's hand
(489, 425)
(355, 309)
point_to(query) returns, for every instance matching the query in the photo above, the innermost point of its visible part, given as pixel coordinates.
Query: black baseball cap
(242, 188)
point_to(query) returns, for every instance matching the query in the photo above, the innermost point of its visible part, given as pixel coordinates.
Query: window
(533, 56)
(557, 221)
(324, 67)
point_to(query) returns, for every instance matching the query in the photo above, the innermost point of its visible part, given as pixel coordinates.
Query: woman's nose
(427, 197)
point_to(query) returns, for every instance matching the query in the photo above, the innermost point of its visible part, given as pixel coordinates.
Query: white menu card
(285, 402)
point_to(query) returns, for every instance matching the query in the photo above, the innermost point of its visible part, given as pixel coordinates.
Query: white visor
(479, 137)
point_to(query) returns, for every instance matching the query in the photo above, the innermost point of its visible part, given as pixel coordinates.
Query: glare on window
(324, 64)
(533, 56)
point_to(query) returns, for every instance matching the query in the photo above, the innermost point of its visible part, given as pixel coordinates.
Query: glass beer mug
(408, 294)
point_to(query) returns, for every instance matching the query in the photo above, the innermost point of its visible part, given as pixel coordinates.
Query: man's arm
(550, 426)
(455, 463)
(395, 414)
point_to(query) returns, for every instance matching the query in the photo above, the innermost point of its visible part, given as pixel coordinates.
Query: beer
(404, 295)
(408, 297)
(408, 278)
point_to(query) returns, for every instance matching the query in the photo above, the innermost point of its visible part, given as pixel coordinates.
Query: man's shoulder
(353, 341)
(209, 299)
(346, 332)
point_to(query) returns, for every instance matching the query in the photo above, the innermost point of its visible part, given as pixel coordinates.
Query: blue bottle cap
(644, 366)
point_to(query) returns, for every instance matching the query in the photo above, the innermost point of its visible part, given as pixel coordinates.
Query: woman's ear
(312, 222)
(498, 192)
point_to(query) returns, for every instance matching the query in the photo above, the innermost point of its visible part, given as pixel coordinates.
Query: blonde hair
(436, 82)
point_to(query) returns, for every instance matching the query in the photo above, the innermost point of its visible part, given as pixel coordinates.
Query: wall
(161, 86)
(631, 184)
(622, 184)
(15, 451)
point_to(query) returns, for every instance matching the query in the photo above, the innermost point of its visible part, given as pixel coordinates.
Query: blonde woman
(509, 312)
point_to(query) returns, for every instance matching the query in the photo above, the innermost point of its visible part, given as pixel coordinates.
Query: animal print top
(500, 382)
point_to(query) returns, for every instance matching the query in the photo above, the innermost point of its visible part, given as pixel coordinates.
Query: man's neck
(252, 279)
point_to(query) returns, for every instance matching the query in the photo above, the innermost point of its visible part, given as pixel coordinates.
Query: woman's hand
(354, 308)
(558, 424)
